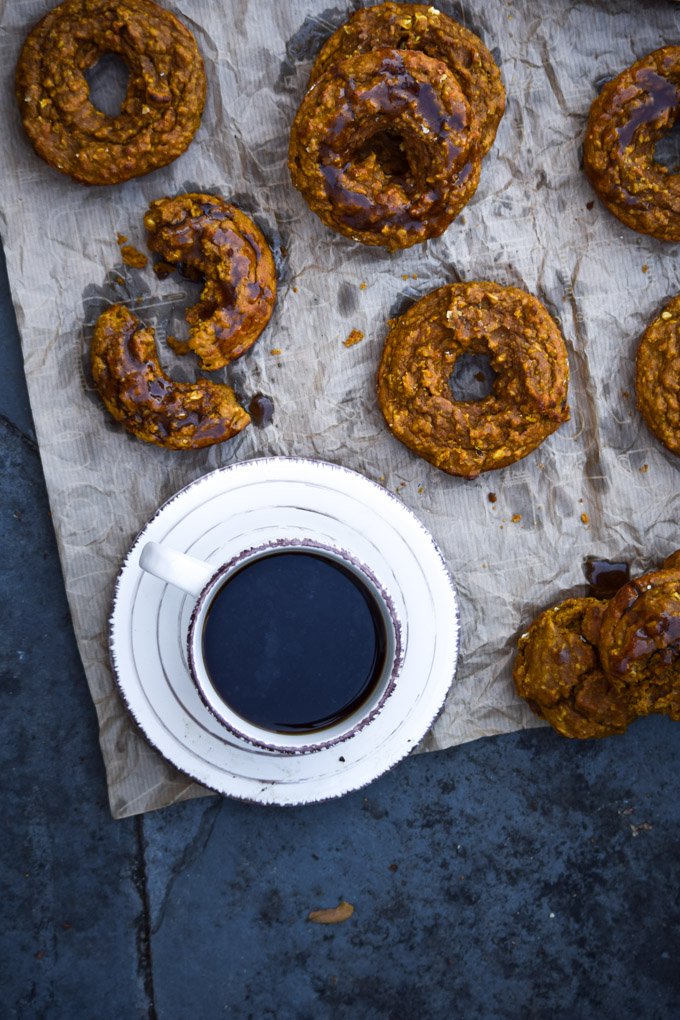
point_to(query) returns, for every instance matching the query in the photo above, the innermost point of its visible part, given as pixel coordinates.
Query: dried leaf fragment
(332, 915)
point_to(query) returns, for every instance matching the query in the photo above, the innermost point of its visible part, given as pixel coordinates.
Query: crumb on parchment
(133, 256)
(355, 337)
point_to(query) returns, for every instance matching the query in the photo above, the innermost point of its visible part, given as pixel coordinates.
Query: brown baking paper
(600, 486)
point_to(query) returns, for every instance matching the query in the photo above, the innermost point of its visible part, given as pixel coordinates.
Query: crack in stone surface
(144, 952)
(191, 852)
(15, 430)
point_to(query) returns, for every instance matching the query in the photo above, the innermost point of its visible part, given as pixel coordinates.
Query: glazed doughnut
(422, 28)
(557, 670)
(154, 408)
(528, 400)
(640, 642)
(210, 239)
(345, 158)
(161, 111)
(657, 376)
(627, 119)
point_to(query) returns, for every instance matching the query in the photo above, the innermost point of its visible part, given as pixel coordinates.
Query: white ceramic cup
(202, 581)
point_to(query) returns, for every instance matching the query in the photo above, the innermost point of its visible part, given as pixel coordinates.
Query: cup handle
(178, 569)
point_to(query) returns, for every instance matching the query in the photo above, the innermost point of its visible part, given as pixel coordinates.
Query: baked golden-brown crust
(672, 562)
(208, 238)
(528, 400)
(626, 121)
(657, 376)
(161, 111)
(385, 149)
(640, 642)
(423, 28)
(557, 670)
(138, 394)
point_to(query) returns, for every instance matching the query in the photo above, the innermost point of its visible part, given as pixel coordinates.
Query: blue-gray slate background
(520, 876)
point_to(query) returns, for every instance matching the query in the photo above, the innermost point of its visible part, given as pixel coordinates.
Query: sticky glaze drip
(261, 410)
(663, 98)
(605, 577)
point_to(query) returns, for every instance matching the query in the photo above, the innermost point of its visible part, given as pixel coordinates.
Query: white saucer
(254, 502)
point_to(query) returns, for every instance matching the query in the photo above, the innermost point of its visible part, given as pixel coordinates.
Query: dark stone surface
(520, 876)
(69, 880)
(524, 876)
(14, 404)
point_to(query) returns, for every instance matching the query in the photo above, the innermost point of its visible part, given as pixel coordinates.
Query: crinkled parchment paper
(534, 223)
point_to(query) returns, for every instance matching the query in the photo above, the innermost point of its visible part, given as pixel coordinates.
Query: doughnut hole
(473, 377)
(667, 149)
(387, 150)
(108, 79)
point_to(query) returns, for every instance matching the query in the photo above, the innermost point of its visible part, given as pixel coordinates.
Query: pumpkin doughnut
(657, 376)
(356, 177)
(526, 350)
(640, 642)
(422, 28)
(558, 671)
(627, 119)
(154, 408)
(161, 111)
(206, 237)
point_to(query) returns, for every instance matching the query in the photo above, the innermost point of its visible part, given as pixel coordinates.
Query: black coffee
(294, 642)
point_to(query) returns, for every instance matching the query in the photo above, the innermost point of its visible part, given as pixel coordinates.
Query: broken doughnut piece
(208, 239)
(150, 405)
